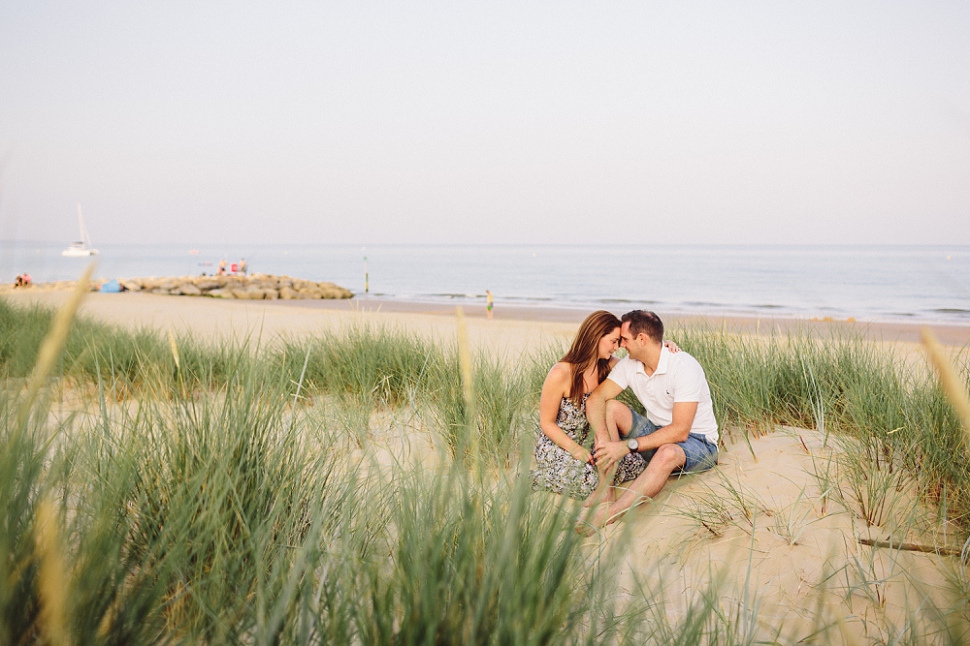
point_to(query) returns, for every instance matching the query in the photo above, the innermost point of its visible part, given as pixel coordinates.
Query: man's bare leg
(647, 485)
(619, 420)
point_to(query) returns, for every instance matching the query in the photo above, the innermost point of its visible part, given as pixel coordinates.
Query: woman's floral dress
(560, 472)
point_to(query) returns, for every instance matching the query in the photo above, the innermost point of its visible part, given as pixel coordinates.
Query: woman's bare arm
(554, 388)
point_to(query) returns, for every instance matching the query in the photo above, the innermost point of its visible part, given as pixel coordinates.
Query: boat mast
(80, 224)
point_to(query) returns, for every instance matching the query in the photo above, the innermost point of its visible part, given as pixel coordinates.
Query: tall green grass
(845, 385)
(196, 503)
(215, 519)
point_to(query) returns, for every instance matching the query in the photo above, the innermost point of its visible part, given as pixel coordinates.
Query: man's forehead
(625, 328)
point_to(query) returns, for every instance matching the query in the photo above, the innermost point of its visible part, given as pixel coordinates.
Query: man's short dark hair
(646, 322)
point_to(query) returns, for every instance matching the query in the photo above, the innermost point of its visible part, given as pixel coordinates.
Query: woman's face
(609, 344)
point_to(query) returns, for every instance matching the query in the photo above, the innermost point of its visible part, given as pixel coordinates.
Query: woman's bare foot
(600, 496)
(594, 499)
(597, 519)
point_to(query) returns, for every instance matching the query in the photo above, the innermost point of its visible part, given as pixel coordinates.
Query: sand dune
(778, 522)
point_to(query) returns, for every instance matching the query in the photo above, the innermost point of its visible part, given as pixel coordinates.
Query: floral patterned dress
(562, 473)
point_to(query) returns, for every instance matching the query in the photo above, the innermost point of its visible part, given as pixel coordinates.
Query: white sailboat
(82, 248)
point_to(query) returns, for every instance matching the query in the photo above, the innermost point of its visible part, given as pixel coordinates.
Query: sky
(495, 122)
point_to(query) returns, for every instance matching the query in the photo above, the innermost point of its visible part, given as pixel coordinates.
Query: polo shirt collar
(661, 363)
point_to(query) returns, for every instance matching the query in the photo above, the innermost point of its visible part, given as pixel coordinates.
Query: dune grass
(189, 502)
(843, 385)
(847, 386)
(215, 519)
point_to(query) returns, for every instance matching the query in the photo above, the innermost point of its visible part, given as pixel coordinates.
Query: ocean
(868, 283)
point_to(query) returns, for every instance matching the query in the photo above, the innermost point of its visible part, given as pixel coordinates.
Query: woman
(564, 462)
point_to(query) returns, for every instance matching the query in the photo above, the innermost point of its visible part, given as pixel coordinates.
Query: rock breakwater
(255, 287)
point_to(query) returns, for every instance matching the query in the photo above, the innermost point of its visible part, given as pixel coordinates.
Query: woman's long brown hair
(584, 350)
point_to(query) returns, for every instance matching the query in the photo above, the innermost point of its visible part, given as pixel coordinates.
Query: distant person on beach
(23, 280)
(489, 303)
(564, 464)
(679, 434)
(243, 268)
(222, 268)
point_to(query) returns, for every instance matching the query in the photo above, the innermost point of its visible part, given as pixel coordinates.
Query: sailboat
(81, 248)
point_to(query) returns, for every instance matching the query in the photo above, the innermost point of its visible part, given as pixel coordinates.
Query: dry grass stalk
(949, 379)
(175, 348)
(911, 547)
(52, 579)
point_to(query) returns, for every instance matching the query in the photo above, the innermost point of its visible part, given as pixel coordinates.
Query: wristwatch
(633, 445)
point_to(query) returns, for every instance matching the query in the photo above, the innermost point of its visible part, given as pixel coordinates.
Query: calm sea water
(890, 283)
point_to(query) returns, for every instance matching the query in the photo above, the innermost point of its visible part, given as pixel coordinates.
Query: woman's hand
(673, 347)
(582, 454)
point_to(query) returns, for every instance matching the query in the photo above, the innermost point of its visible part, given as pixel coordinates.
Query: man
(679, 434)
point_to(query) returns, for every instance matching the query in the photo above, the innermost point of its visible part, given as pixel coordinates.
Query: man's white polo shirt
(678, 378)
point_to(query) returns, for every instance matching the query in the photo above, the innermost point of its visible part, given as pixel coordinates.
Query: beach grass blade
(953, 386)
(53, 344)
(52, 577)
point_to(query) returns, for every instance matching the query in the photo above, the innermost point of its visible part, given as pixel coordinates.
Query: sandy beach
(514, 328)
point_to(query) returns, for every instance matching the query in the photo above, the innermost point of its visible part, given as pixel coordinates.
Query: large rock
(221, 293)
(246, 294)
(310, 293)
(187, 289)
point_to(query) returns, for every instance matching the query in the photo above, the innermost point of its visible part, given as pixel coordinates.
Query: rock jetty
(255, 287)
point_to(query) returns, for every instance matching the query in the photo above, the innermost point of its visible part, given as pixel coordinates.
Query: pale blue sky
(538, 122)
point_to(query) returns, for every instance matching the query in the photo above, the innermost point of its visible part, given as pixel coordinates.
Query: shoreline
(514, 328)
(886, 332)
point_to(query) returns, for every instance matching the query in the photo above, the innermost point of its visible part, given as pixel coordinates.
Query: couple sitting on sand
(678, 435)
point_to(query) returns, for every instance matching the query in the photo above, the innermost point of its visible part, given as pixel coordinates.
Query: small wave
(626, 300)
(450, 296)
(530, 299)
(951, 310)
(703, 304)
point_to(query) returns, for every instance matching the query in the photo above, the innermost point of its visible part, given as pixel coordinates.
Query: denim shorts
(701, 453)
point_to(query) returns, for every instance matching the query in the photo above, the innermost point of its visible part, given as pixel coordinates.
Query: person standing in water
(490, 303)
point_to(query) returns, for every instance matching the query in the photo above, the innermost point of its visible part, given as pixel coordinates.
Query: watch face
(632, 444)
